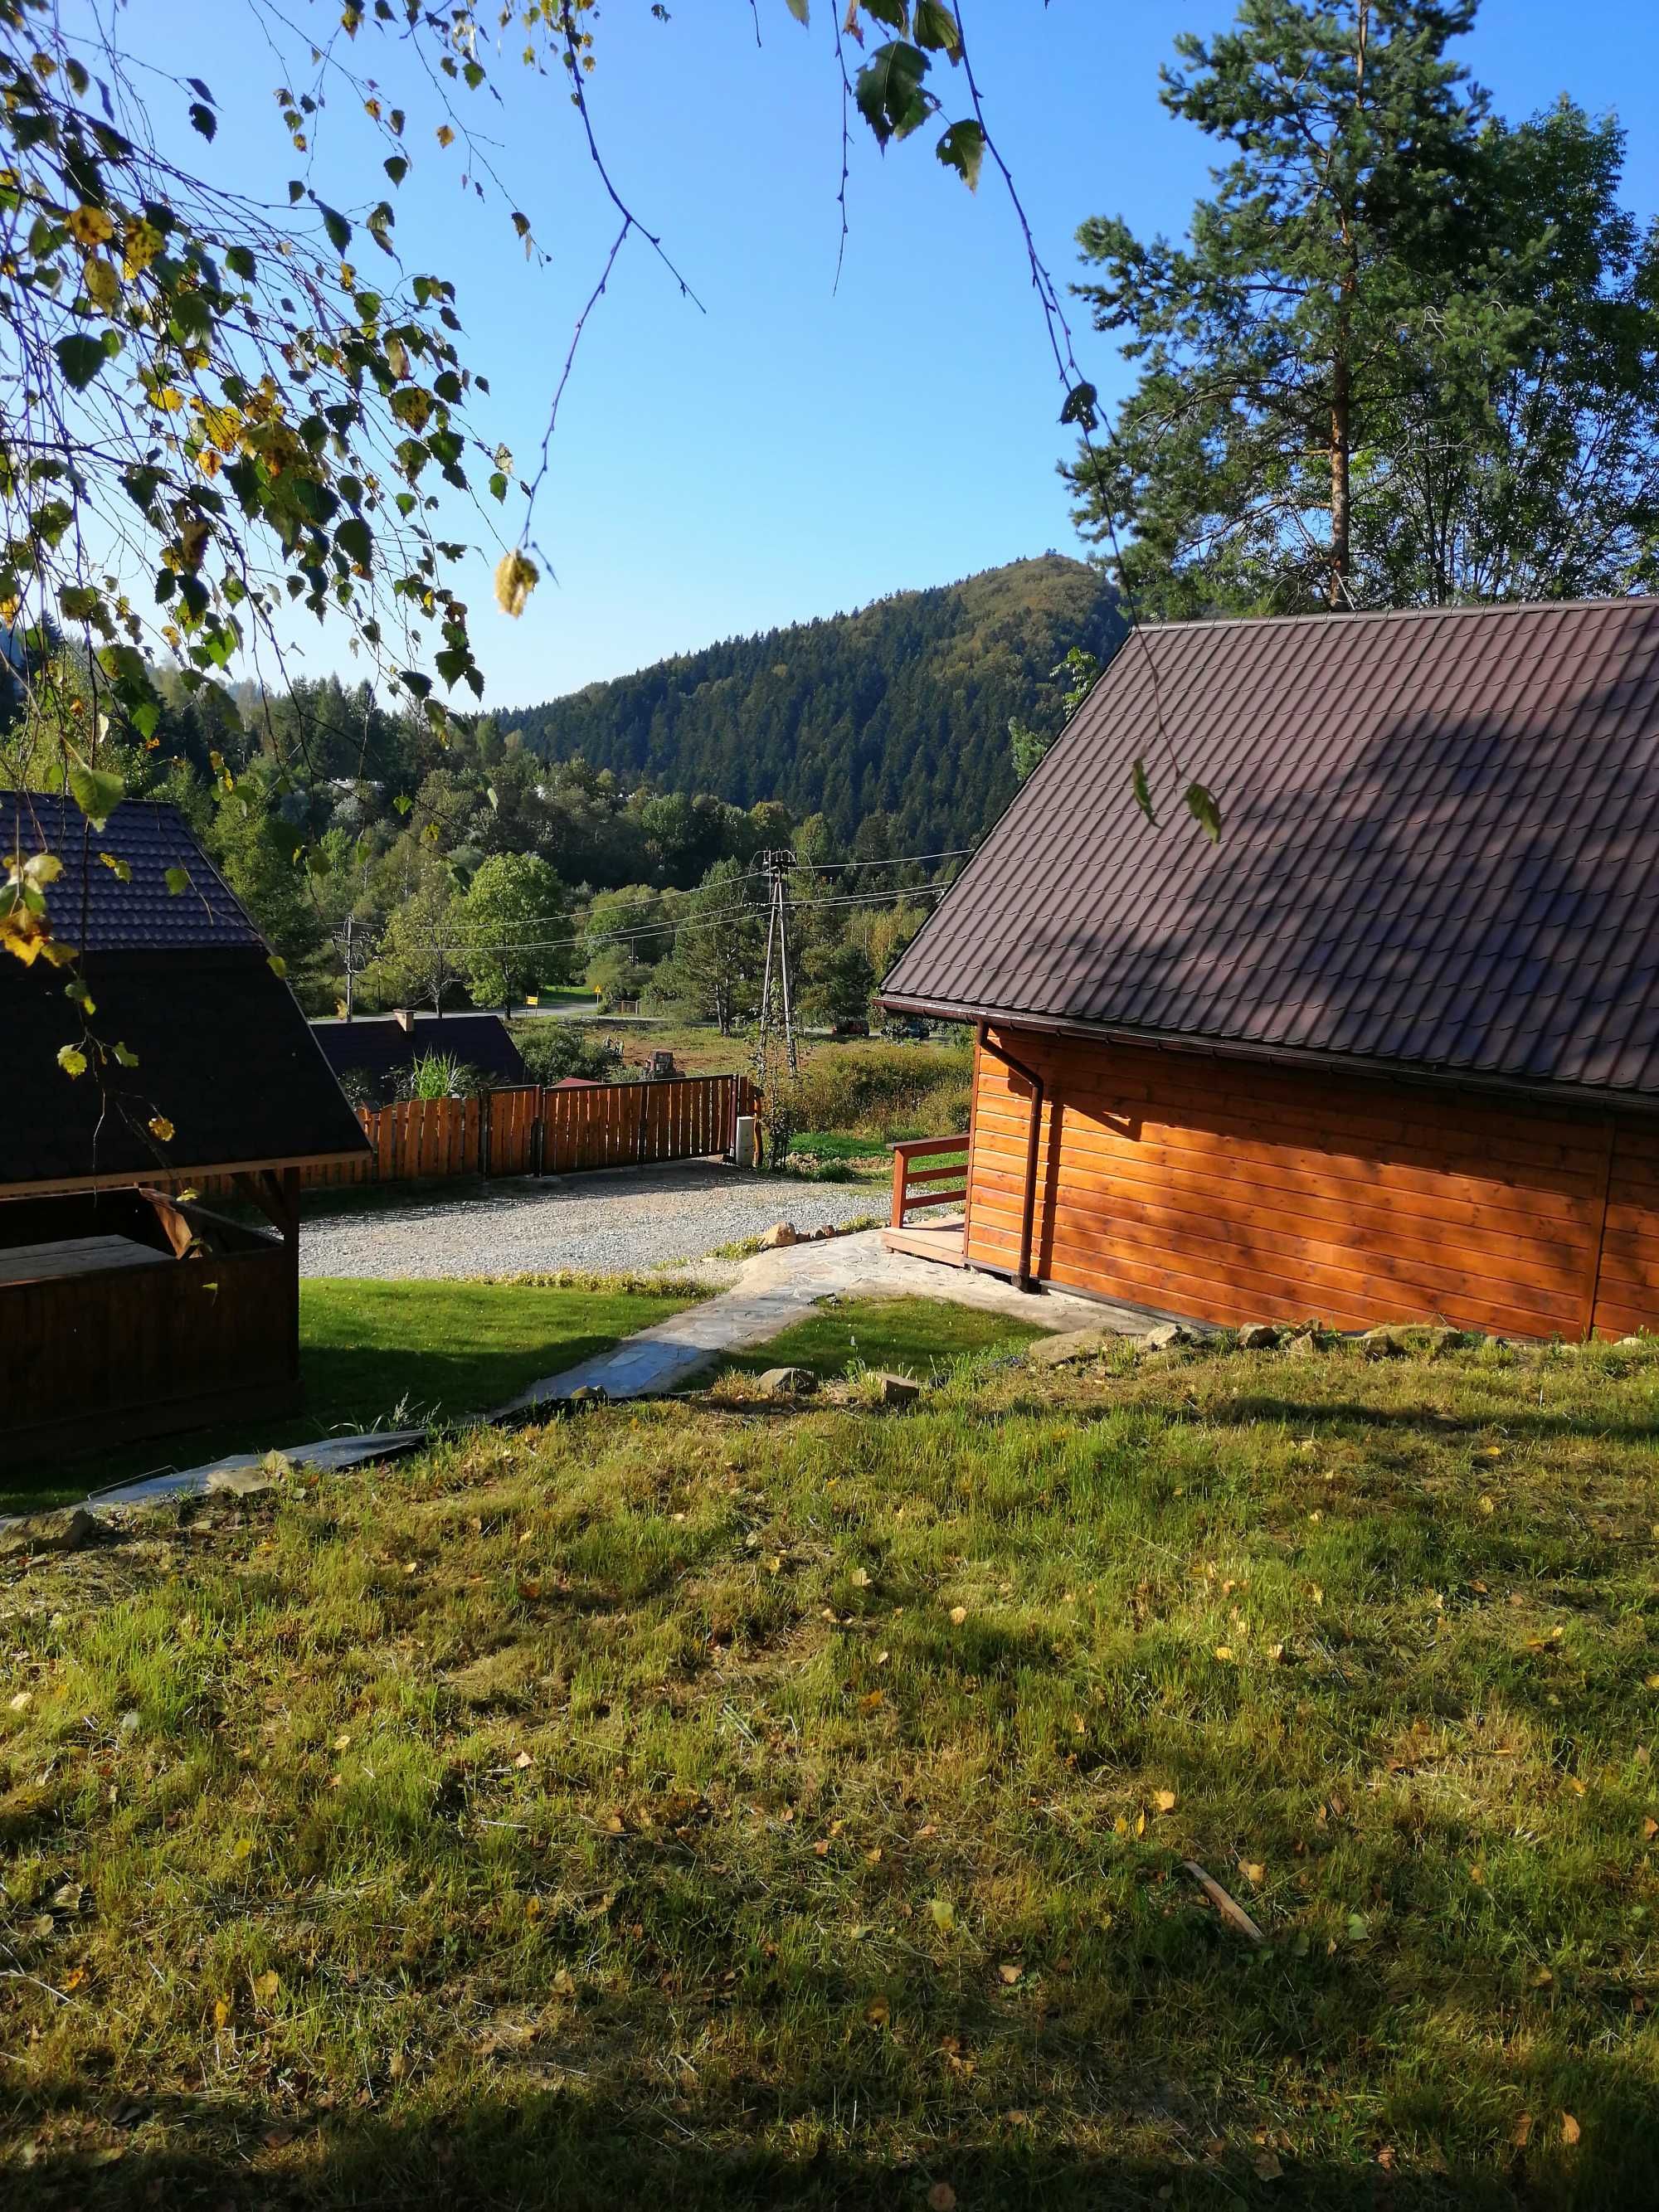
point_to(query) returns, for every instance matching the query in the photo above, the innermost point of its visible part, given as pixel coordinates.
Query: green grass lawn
(390, 1355)
(912, 1336)
(697, 1805)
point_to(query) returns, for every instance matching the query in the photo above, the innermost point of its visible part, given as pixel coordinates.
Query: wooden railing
(528, 1129)
(940, 1180)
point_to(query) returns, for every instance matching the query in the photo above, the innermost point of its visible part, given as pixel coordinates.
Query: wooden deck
(944, 1242)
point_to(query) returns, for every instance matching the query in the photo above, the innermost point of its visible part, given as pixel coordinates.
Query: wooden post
(898, 1186)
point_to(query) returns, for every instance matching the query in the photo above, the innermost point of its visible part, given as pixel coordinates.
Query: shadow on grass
(569, 2147)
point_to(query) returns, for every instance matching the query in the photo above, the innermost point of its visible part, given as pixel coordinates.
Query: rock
(897, 1390)
(782, 1233)
(1631, 1343)
(1436, 1340)
(240, 1482)
(1258, 1336)
(1065, 1351)
(589, 1394)
(1382, 1344)
(74, 1531)
(788, 1381)
(1165, 1337)
(1302, 1346)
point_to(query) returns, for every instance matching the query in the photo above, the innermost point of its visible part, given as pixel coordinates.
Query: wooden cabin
(127, 1309)
(1389, 1051)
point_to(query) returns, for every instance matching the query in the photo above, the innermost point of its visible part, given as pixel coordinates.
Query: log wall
(1232, 1192)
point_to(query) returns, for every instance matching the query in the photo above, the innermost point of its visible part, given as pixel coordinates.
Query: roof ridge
(1350, 617)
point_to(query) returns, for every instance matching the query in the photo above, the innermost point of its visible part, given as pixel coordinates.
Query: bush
(879, 1091)
(440, 1075)
(552, 1050)
(360, 1087)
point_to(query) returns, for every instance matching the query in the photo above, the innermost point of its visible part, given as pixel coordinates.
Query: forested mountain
(899, 709)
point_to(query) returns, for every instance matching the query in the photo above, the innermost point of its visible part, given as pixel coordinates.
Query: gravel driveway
(615, 1223)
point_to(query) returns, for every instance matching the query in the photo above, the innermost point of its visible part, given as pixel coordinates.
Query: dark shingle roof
(151, 838)
(184, 984)
(1440, 849)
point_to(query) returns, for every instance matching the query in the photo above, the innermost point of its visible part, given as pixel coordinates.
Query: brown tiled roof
(1439, 851)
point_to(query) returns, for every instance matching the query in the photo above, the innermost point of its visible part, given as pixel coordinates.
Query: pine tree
(1270, 341)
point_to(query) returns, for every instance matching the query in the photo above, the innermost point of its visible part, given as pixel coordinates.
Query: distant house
(384, 1048)
(1390, 1050)
(126, 1308)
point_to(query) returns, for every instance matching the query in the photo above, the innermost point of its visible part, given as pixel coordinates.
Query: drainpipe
(1034, 1138)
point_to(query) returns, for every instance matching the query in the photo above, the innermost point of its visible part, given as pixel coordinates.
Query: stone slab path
(773, 1292)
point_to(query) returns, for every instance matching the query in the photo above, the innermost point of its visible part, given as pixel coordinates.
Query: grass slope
(912, 1336)
(392, 1355)
(704, 1805)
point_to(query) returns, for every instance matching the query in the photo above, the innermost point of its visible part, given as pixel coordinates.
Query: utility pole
(777, 1004)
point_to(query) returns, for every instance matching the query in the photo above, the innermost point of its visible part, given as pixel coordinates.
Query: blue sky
(796, 451)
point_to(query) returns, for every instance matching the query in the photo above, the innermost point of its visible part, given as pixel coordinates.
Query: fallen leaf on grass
(266, 1986)
(878, 2012)
(532, 1908)
(1225, 1653)
(341, 1743)
(523, 1760)
(1521, 2134)
(1009, 1972)
(959, 1613)
(944, 1913)
(1267, 2167)
(1165, 1800)
(941, 2198)
(1252, 1871)
(1650, 1828)
(860, 1579)
(22, 1701)
(1570, 2130)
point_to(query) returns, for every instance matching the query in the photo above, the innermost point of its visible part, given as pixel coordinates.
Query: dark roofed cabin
(385, 1047)
(127, 1310)
(1390, 1051)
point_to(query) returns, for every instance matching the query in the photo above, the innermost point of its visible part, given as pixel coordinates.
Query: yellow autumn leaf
(445, 135)
(532, 1909)
(1570, 2130)
(1252, 1871)
(1225, 1653)
(89, 227)
(516, 578)
(139, 248)
(222, 2011)
(1650, 1828)
(1008, 1972)
(944, 1914)
(959, 1613)
(160, 1128)
(168, 398)
(1487, 1506)
(941, 2198)
(878, 2012)
(103, 285)
(1165, 1800)
(72, 1061)
(266, 1986)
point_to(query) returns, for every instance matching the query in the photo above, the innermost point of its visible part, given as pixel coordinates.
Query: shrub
(552, 1050)
(880, 1090)
(361, 1088)
(440, 1075)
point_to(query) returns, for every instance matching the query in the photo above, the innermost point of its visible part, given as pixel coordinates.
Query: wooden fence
(531, 1130)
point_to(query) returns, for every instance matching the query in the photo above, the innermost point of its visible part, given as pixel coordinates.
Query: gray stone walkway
(772, 1292)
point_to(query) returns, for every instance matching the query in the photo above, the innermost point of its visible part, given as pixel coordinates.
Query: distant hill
(900, 708)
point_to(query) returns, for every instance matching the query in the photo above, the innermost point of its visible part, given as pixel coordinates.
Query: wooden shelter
(127, 1308)
(1390, 1051)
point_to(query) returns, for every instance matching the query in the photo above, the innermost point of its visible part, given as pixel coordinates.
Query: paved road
(616, 1222)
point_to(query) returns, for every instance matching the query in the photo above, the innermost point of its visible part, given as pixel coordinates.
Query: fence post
(486, 1132)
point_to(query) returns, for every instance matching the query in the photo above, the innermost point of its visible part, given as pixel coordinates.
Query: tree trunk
(1341, 412)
